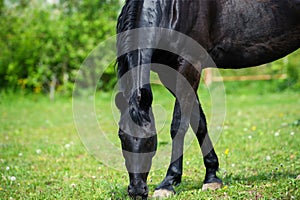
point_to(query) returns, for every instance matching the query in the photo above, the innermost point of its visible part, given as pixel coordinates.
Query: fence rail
(210, 78)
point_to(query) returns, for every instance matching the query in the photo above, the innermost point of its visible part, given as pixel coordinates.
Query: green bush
(292, 65)
(43, 44)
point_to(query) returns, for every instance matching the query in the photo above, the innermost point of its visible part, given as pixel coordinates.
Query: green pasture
(42, 156)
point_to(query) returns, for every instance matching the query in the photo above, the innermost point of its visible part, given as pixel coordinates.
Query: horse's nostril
(138, 191)
(145, 189)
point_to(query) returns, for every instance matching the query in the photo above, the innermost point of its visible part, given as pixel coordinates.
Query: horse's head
(138, 138)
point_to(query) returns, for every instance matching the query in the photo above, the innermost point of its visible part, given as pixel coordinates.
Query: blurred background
(43, 44)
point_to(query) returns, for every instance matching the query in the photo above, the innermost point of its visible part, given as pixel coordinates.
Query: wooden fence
(209, 77)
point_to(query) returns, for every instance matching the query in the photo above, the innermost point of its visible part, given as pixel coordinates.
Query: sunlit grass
(42, 157)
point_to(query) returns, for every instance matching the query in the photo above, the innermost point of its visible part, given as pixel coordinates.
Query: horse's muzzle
(138, 191)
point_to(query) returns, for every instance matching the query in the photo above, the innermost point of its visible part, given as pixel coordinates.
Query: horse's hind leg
(198, 123)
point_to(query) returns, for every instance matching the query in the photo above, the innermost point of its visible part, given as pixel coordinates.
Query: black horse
(236, 34)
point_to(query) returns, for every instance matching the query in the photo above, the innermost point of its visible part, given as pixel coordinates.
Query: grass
(42, 156)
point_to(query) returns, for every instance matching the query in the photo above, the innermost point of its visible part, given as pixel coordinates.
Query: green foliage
(292, 64)
(42, 43)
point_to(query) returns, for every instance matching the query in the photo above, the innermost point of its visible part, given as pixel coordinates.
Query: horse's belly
(250, 33)
(240, 55)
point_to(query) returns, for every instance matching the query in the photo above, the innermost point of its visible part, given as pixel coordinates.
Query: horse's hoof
(162, 193)
(211, 186)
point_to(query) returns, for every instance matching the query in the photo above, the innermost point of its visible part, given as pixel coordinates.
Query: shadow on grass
(232, 179)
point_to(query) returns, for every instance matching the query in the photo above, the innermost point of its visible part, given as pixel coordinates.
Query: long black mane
(126, 21)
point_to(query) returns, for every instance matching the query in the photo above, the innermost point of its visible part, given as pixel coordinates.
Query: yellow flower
(22, 82)
(253, 128)
(225, 187)
(37, 89)
(226, 152)
(1, 188)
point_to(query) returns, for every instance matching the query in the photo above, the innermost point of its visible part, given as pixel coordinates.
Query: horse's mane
(125, 23)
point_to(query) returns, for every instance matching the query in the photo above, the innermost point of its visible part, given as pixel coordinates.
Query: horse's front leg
(199, 126)
(187, 79)
(174, 173)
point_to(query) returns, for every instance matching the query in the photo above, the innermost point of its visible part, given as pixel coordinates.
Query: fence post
(208, 76)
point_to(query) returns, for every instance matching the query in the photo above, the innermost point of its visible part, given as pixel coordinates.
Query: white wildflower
(13, 178)
(268, 158)
(38, 151)
(73, 185)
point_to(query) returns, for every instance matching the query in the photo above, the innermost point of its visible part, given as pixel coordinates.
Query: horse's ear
(120, 101)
